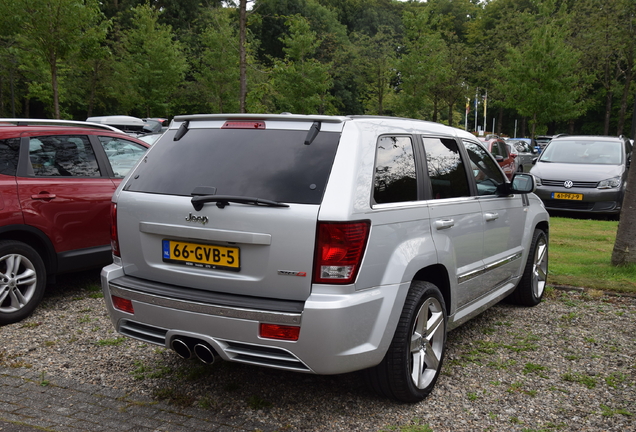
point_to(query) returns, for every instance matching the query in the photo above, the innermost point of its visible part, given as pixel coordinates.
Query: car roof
(28, 122)
(587, 138)
(13, 130)
(335, 121)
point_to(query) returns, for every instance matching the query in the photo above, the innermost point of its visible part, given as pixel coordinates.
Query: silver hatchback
(583, 173)
(320, 244)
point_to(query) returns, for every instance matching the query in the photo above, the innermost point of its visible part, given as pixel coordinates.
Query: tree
(605, 35)
(375, 66)
(51, 32)
(624, 251)
(542, 78)
(152, 64)
(301, 83)
(217, 74)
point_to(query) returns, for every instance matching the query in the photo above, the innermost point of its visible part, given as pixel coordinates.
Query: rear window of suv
(266, 164)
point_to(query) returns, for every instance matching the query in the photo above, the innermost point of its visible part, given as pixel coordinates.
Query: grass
(580, 256)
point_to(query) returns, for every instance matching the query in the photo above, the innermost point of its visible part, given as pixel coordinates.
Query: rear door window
(446, 169)
(62, 155)
(395, 179)
(269, 164)
(9, 153)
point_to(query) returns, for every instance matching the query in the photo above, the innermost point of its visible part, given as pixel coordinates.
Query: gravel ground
(566, 365)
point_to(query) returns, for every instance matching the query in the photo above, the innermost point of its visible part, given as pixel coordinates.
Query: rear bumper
(340, 332)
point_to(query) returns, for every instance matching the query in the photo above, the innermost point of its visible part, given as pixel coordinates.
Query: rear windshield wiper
(224, 200)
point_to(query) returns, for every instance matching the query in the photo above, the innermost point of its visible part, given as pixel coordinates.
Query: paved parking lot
(67, 405)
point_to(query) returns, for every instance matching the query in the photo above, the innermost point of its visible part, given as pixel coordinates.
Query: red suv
(499, 150)
(56, 183)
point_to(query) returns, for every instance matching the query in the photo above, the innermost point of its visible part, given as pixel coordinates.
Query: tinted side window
(487, 173)
(494, 149)
(395, 178)
(445, 168)
(122, 154)
(62, 155)
(9, 151)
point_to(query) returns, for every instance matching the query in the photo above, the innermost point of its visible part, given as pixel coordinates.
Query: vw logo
(568, 184)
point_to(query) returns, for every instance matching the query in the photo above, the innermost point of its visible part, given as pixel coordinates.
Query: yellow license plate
(567, 196)
(201, 255)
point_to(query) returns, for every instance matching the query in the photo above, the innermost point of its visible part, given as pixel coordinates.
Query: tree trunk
(608, 112)
(499, 121)
(623, 109)
(624, 252)
(632, 134)
(450, 114)
(56, 96)
(242, 55)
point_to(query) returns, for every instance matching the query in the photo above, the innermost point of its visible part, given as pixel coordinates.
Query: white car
(320, 244)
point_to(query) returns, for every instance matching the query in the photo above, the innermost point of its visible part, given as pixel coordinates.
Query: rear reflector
(339, 251)
(243, 125)
(123, 304)
(274, 331)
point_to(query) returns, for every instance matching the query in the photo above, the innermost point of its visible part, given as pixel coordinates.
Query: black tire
(531, 287)
(415, 342)
(22, 281)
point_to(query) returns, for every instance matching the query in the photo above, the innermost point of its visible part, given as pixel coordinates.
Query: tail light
(114, 240)
(339, 251)
(250, 124)
(281, 332)
(123, 304)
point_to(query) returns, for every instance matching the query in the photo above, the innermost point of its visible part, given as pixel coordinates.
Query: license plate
(567, 196)
(201, 255)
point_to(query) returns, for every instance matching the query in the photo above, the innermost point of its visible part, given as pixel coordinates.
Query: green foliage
(217, 74)
(559, 69)
(152, 64)
(301, 83)
(542, 78)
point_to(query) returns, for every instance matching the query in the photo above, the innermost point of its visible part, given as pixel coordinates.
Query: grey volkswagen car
(583, 173)
(320, 244)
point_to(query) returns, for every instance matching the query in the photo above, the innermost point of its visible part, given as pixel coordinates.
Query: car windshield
(583, 152)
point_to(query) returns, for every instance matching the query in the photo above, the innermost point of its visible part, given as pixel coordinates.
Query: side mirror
(521, 183)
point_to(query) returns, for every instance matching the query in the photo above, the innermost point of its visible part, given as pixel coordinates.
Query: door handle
(491, 216)
(43, 196)
(444, 223)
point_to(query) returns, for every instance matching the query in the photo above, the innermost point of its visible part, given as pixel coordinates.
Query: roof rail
(50, 122)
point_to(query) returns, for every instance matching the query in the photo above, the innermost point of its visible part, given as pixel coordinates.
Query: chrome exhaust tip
(205, 353)
(181, 348)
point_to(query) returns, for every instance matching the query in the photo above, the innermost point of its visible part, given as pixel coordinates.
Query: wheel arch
(34, 238)
(437, 274)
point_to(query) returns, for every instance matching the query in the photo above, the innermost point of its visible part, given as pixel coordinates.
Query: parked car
(583, 173)
(542, 141)
(526, 153)
(56, 183)
(320, 244)
(133, 126)
(158, 125)
(497, 147)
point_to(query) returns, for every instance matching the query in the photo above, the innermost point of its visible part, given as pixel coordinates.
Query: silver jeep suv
(320, 244)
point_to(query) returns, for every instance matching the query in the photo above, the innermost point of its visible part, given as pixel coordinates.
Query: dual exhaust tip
(186, 348)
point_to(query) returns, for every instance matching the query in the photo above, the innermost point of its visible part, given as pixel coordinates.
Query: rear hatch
(230, 206)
